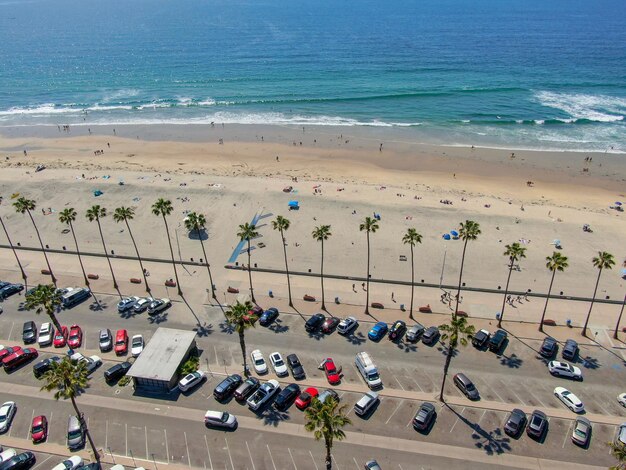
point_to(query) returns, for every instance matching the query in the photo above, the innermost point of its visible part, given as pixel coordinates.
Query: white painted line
(167, 449)
(147, 453)
(512, 389)
(187, 447)
(481, 418)
(208, 452)
(398, 382)
(567, 434)
(106, 434)
(400, 467)
(394, 412)
(313, 459)
(457, 419)
(356, 463)
(229, 454)
(271, 458)
(50, 426)
(11, 332)
(126, 434)
(410, 421)
(292, 459)
(408, 376)
(41, 463)
(250, 454)
(217, 360)
(31, 421)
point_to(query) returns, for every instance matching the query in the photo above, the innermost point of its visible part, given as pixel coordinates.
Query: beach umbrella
(454, 233)
(293, 203)
(446, 236)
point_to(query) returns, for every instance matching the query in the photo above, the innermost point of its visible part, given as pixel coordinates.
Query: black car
(397, 330)
(117, 371)
(287, 396)
(226, 387)
(430, 335)
(515, 423)
(10, 290)
(313, 323)
(570, 350)
(497, 341)
(424, 417)
(537, 424)
(29, 332)
(268, 316)
(296, 367)
(22, 461)
(549, 347)
(90, 466)
(44, 366)
(480, 339)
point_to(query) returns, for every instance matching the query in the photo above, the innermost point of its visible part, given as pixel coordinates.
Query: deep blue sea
(547, 74)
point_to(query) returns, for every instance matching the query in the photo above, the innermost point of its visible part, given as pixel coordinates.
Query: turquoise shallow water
(529, 74)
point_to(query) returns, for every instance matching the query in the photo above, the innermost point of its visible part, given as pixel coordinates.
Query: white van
(368, 370)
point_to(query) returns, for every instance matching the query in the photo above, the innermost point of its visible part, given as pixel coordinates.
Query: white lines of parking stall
(457, 419)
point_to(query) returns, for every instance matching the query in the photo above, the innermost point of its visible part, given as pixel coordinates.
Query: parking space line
(292, 459)
(512, 389)
(250, 454)
(356, 463)
(31, 420)
(41, 463)
(569, 430)
(187, 448)
(394, 412)
(146, 430)
(126, 434)
(106, 434)
(394, 377)
(313, 459)
(208, 451)
(408, 376)
(50, 425)
(481, 418)
(217, 359)
(271, 458)
(457, 419)
(11, 332)
(167, 449)
(229, 454)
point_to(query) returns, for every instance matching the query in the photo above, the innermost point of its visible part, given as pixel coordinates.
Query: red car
(39, 429)
(330, 324)
(255, 311)
(121, 342)
(60, 338)
(8, 351)
(306, 397)
(332, 373)
(76, 337)
(18, 358)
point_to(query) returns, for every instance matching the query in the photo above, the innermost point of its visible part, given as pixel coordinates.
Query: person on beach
(380, 149)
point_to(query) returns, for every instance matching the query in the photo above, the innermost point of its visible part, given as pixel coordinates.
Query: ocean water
(518, 74)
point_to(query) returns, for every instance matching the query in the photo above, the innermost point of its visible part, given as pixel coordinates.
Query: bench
(170, 283)
(549, 322)
(135, 280)
(425, 309)
(377, 305)
(309, 298)
(232, 290)
(93, 276)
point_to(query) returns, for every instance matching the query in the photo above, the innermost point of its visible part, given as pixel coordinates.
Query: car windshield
(537, 421)
(225, 417)
(373, 376)
(137, 342)
(74, 434)
(74, 335)
(304, 396)
(37, 428)
(279, 362)
(104, 335)
(259, 361)
(3, 418)
(470, 387)
(120, 341)
(580, 432)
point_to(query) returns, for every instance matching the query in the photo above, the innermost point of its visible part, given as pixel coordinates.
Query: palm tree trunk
(207, 265)
(329, 459)
(445, 371)
(545, 307)
(619, 319)
(367, 292)
(143, 271)
(242, 343)
(322, 276)
(593, 299)
(286, 268)
(250, 274)
(80, 260)
(106, 254)
(169, 241)
(458, 292)
(81, 419)
(53, 319)
(24, 277)
(506, 291)
(412, 283)
(45, 255)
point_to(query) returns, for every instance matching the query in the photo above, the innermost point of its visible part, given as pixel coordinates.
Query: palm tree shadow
(272, 417)
(226, 327)
(443, 349)
(589, 362)
(406, 347)
(619, 357)
(356, 338)
(492, 442)
(316, 335)
(190, 309)
(157, 319)
(298, 312)
(204, 329)
(512, 361)
(96, 305)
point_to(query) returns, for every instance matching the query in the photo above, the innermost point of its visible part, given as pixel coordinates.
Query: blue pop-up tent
(293, 205)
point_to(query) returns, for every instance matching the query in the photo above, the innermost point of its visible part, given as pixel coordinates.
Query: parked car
(7, 412)
(366, 403)
(226, 387)
(280, 368)
(18, 358)
(5, 352)
(29, 332)
(44, 366)
(158, 305)
(255, 312)
(305, 398)
(75, 337)
(39, 429)
(332, 374)
(220, 419)
(620, 437)
(621, 399)
(415, 332)
(263, 395)
(570, 350)
(127, 303)
(7, 455)
(313, 323)
(496, 342)
(563, 369)
(117, 371)
(372, 465)
(72, 463)
(287, 396)
(136, 345)
(268, 316)
(330, 324)
(142, 304)
(515, 423)
(121, 342)
(569, 399)
(431, 335)
(582, 431)
(424, 417)
(480, 339)
(378, 331)
(347, 325)
(296, 367)
(105, 340)
(46, 332)
(191, 380)
(328, 393)
(60, 338)
(75, 433)
(22, 461)
(549, 347)
(258, 361)
(10, 290)
(247, 388)
(91, 363)
(466, 386)
(537, 424)
(397, 330)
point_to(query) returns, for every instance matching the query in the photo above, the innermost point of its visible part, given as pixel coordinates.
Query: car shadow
(492, 442)
(278, 327)
(589, 362)
(406, 347)
(512, 361)
(158, 319)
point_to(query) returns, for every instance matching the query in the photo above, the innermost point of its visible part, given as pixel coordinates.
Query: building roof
(163, 354)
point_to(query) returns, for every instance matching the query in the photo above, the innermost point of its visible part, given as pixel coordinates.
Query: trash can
(402, 307)
(271, 294)
(498, 315)
(568, 322)
(337, 300)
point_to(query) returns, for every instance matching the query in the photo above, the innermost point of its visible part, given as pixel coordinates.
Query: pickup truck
(263, 394)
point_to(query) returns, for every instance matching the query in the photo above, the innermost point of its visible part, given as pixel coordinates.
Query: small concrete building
(156, 368)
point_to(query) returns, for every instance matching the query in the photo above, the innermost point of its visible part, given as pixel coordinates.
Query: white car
(136, 345)
(563, 369)
(7, 454)
(263, 394)
(191, 380)
(621, 399)
(220, 419)
(72, 463)
(45, 334)
(258, 361)
(142, 304)
(347, 325)
(278, 364)
(569, 399)
(127, 303)
(7, 411)
(158, 305)
(91, 362)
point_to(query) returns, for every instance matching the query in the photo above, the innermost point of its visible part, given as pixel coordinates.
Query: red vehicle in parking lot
(306, 397)
(76, 337)
(39, 429)
(60, 338)
(121, 342)
(331, 371)
(8, 351)
(18, 358)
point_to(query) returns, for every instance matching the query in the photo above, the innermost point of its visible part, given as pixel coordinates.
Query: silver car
(220, 419)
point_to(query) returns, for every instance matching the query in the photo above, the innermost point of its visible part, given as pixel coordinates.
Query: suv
(366, 403)
(287, 396)
(247, 388)
(570, 350)
(313, 323)
(347, 325)
(29, 332)
(431, 335)
(480, 339)
(549, 347)
(116, 372)
(268, 316)
(296, 367)
(397, 330)
(515, 423)
(415, 332)
(466, 386)
(424, 417)
(46, 332)
(226, 387)
(497, 341)
(44, 366)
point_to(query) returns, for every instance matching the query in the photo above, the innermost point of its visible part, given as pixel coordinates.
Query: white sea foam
(47, 108)
(120, 94)
(601, 108)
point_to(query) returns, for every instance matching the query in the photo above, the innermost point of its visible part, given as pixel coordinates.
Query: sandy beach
(339, 176)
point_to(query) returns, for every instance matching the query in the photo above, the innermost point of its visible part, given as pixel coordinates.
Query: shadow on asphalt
(492, 442)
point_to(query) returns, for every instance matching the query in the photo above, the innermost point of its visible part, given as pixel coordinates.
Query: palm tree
(197, 222)
(455, 332)
(618, 450)
(282, 225)
(69, 378)
(412, 237)
(96, 213)
(554, 263)
(24, 277)
(67, 216)
(23, 205)
(320, 234)
(604, 260)
(238, 316)
(163, 207)
(45, 298)
(370, 224)
(515, 252)
(469, 231)
(247, 232)
(326, 421)
(125, 214)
